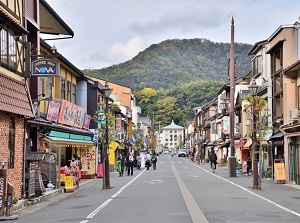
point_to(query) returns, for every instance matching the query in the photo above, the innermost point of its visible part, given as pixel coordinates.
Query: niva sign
(44, 68)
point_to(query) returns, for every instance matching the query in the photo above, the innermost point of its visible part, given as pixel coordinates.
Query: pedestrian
(213, 160)
(120, 165)
(129, 161)
(138, 161)
(154, 160)
(148, 160)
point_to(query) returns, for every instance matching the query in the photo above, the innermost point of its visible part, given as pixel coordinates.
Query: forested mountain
(173, 62)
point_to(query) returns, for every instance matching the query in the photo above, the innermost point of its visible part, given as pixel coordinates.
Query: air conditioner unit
(294, 113)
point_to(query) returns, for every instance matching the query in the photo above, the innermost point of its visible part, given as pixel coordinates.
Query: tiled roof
(14, 97)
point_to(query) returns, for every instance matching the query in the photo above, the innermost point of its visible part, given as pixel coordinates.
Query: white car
(182, 153)
(166, 151)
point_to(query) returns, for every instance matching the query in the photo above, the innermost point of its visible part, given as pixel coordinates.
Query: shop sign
(226, 125)
(53, 111)
(71, 114)
(87, 121)
(44, 67)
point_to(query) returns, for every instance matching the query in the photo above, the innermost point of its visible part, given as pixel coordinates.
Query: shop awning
(248, 144)
(121, 145)
(276, 136)
(239, 144)
(113, 145)
(68, 138)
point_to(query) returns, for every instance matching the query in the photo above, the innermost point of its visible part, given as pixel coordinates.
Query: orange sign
(279, 171)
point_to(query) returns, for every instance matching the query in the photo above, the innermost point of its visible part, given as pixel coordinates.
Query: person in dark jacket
(154, 160)
(213, 160)
(129, 162)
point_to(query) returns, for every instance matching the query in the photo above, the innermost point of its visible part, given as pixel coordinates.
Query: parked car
(166, 151)
(182, 153)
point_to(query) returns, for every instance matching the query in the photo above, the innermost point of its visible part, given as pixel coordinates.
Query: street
(178, 191)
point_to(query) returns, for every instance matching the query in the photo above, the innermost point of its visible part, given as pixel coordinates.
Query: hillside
(173, 62)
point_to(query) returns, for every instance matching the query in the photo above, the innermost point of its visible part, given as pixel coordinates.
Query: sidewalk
(50, 193)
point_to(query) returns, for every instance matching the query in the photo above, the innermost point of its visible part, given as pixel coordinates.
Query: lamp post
(254, 88)
(232, 158)
(106, 179)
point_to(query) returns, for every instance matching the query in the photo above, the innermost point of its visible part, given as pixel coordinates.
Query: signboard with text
(44, 67)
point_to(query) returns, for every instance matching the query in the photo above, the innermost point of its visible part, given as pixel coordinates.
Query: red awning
(239, 144)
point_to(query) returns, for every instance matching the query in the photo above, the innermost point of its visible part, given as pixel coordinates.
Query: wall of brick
(14, 176)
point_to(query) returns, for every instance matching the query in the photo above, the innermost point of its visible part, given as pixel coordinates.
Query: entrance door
(68, 155)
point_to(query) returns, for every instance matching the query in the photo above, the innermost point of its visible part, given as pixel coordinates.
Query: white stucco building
(172, 135)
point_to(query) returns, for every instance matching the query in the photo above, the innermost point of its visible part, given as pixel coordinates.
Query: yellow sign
(279, 171)
(69, 182)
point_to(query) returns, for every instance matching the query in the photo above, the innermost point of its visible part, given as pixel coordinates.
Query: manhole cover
(78, 207)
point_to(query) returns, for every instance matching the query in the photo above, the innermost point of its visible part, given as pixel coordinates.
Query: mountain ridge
(174, 62)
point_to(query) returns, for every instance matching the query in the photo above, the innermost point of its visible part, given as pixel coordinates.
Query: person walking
(120, 165)
(213, 160)
(148, 160)
(129, 161)
(138, 161)
(154, 160)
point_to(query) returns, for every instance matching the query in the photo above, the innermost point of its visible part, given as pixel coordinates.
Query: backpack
(213, 157)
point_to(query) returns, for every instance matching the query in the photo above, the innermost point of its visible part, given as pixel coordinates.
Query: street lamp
(106, 181)
(232, 65)
(254, 88)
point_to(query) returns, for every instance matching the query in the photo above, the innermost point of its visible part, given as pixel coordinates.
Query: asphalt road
(178, 191)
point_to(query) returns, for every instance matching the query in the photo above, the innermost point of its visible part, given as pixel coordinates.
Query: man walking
(129, 161)
(213, 160)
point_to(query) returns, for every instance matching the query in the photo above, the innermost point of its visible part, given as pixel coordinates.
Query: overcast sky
(109, 32)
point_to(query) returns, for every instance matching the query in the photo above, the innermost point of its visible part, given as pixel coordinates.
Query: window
(69, 90)
(42, 86)
(11, 144)
(175, 131)
(8, 49)
(257, 65)
(49, 87)
(73, 99)
(171, 131)
(171, 137)
(63, 88)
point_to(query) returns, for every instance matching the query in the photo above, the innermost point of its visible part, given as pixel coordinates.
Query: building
(172, 136)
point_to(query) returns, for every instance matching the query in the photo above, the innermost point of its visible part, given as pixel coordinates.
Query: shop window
(62, 88)
(8, 49)
(49, 87)
(11, 143)
(42, 86)
(73, 99)
(69, 90)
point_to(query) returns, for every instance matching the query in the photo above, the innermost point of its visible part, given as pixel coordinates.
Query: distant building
(172, 135)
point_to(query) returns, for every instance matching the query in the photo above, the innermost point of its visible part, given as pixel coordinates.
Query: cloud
(184, 19)
(122, 52)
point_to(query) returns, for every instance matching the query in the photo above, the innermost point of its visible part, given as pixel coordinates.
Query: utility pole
(232, 158)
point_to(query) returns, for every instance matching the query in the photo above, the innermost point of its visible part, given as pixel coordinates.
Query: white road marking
(251, 192)
(156, 181)
(91, 215)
